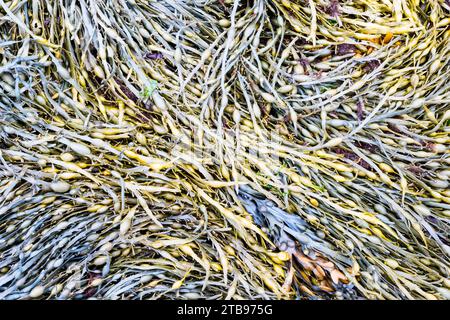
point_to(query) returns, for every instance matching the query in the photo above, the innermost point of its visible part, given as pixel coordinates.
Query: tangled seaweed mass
(231, 149)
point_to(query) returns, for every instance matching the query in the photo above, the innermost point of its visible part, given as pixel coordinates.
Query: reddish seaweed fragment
(371, 65)
(345, 48)
(333, 8)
